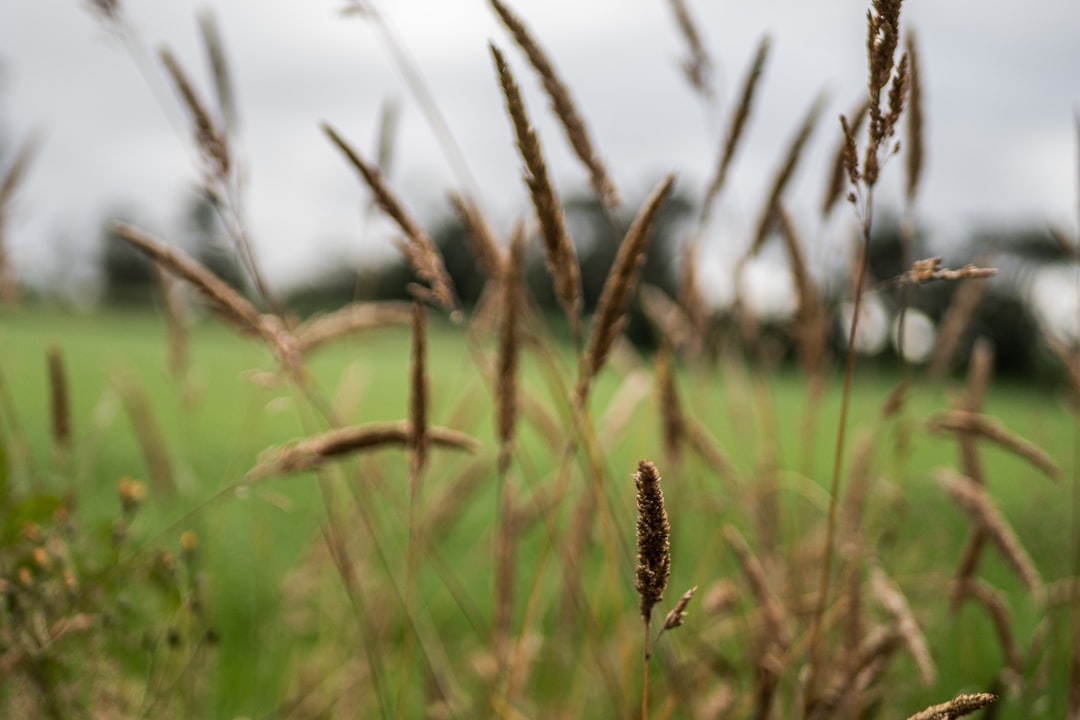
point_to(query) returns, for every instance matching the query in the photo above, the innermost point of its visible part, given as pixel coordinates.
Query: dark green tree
(128, 275)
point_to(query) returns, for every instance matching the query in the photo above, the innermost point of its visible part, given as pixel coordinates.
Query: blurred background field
(288, 430)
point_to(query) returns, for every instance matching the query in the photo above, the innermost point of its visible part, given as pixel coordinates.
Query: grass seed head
(653, 543)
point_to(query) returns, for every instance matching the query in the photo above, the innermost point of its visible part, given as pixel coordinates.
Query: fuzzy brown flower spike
(654, 550)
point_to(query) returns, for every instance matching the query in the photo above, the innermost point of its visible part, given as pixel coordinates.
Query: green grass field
(284, 627)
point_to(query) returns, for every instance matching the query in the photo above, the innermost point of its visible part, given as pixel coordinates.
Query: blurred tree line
(1003, 314)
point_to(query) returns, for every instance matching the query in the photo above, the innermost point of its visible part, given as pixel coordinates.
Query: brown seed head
(562, 102)
(653, 545)
(561, 259)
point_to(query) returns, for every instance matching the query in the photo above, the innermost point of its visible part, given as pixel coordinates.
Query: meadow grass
(259, 532)
(259, 550)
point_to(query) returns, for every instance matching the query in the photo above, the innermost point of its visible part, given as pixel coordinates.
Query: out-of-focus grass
(220, 418)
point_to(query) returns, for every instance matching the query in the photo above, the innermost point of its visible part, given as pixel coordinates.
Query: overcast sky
(1002, 85)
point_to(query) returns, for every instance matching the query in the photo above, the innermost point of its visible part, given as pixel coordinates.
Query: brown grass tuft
(672, 422)
(561, 259)
(211, 140)
(845, 165)
(975, 500)
(481, 238)
(219, 67)
(811, 322)
(675, 618)
(576, 131)
(787, 171)
(953, 324)
(958, 707)
(353, 318)
(991, 600)
(313, 452)
(611, 307)
(915, 149)
(229, 303)
(698, 66)
(777, 631)
(735, 131)
(962, 421)
(691, 299)
(929, 270)
(653, 548)
(506, 391)
(418, 247)
(891, 597)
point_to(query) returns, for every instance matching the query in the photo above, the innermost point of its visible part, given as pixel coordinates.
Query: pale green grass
(217, 423)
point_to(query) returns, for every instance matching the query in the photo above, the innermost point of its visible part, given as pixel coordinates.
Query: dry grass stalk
(675, 618)
(11, 179)
(735, 131)
(229, 303)
(698, 66)
(506, 391)
(418, 399)
(777, 633)
(667, 318)
(861, 475)
(485, 249)
(177, 323)
(957, 319)
(418, 247)
(611, 307)
(891, 597)
(930, 270)
(351, 319)
(975, 500)
(151, 440)
(992, 601)
(958, 707)
(219, 67)
(844, 167)
(787, 171)
(561, 259)
(671, 413)
(211, 141)
(576, 132)
(969, 563)
(811, 322)
(691, 299)
(962, 421)
(653, 554)
(979, 372)
(623, 406)
(504, 544)
(915, 150)
(883, 36)
(59, 400)
(848, 686)
(313, 452)
(708, 450)
(654, 551)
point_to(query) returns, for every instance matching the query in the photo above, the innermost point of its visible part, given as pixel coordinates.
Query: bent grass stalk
(654, 555)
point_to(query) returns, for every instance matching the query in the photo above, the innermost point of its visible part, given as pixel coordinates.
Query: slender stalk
(645, 679)
(838, 459)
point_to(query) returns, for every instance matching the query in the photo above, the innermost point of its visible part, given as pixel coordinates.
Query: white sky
(1002, 84)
